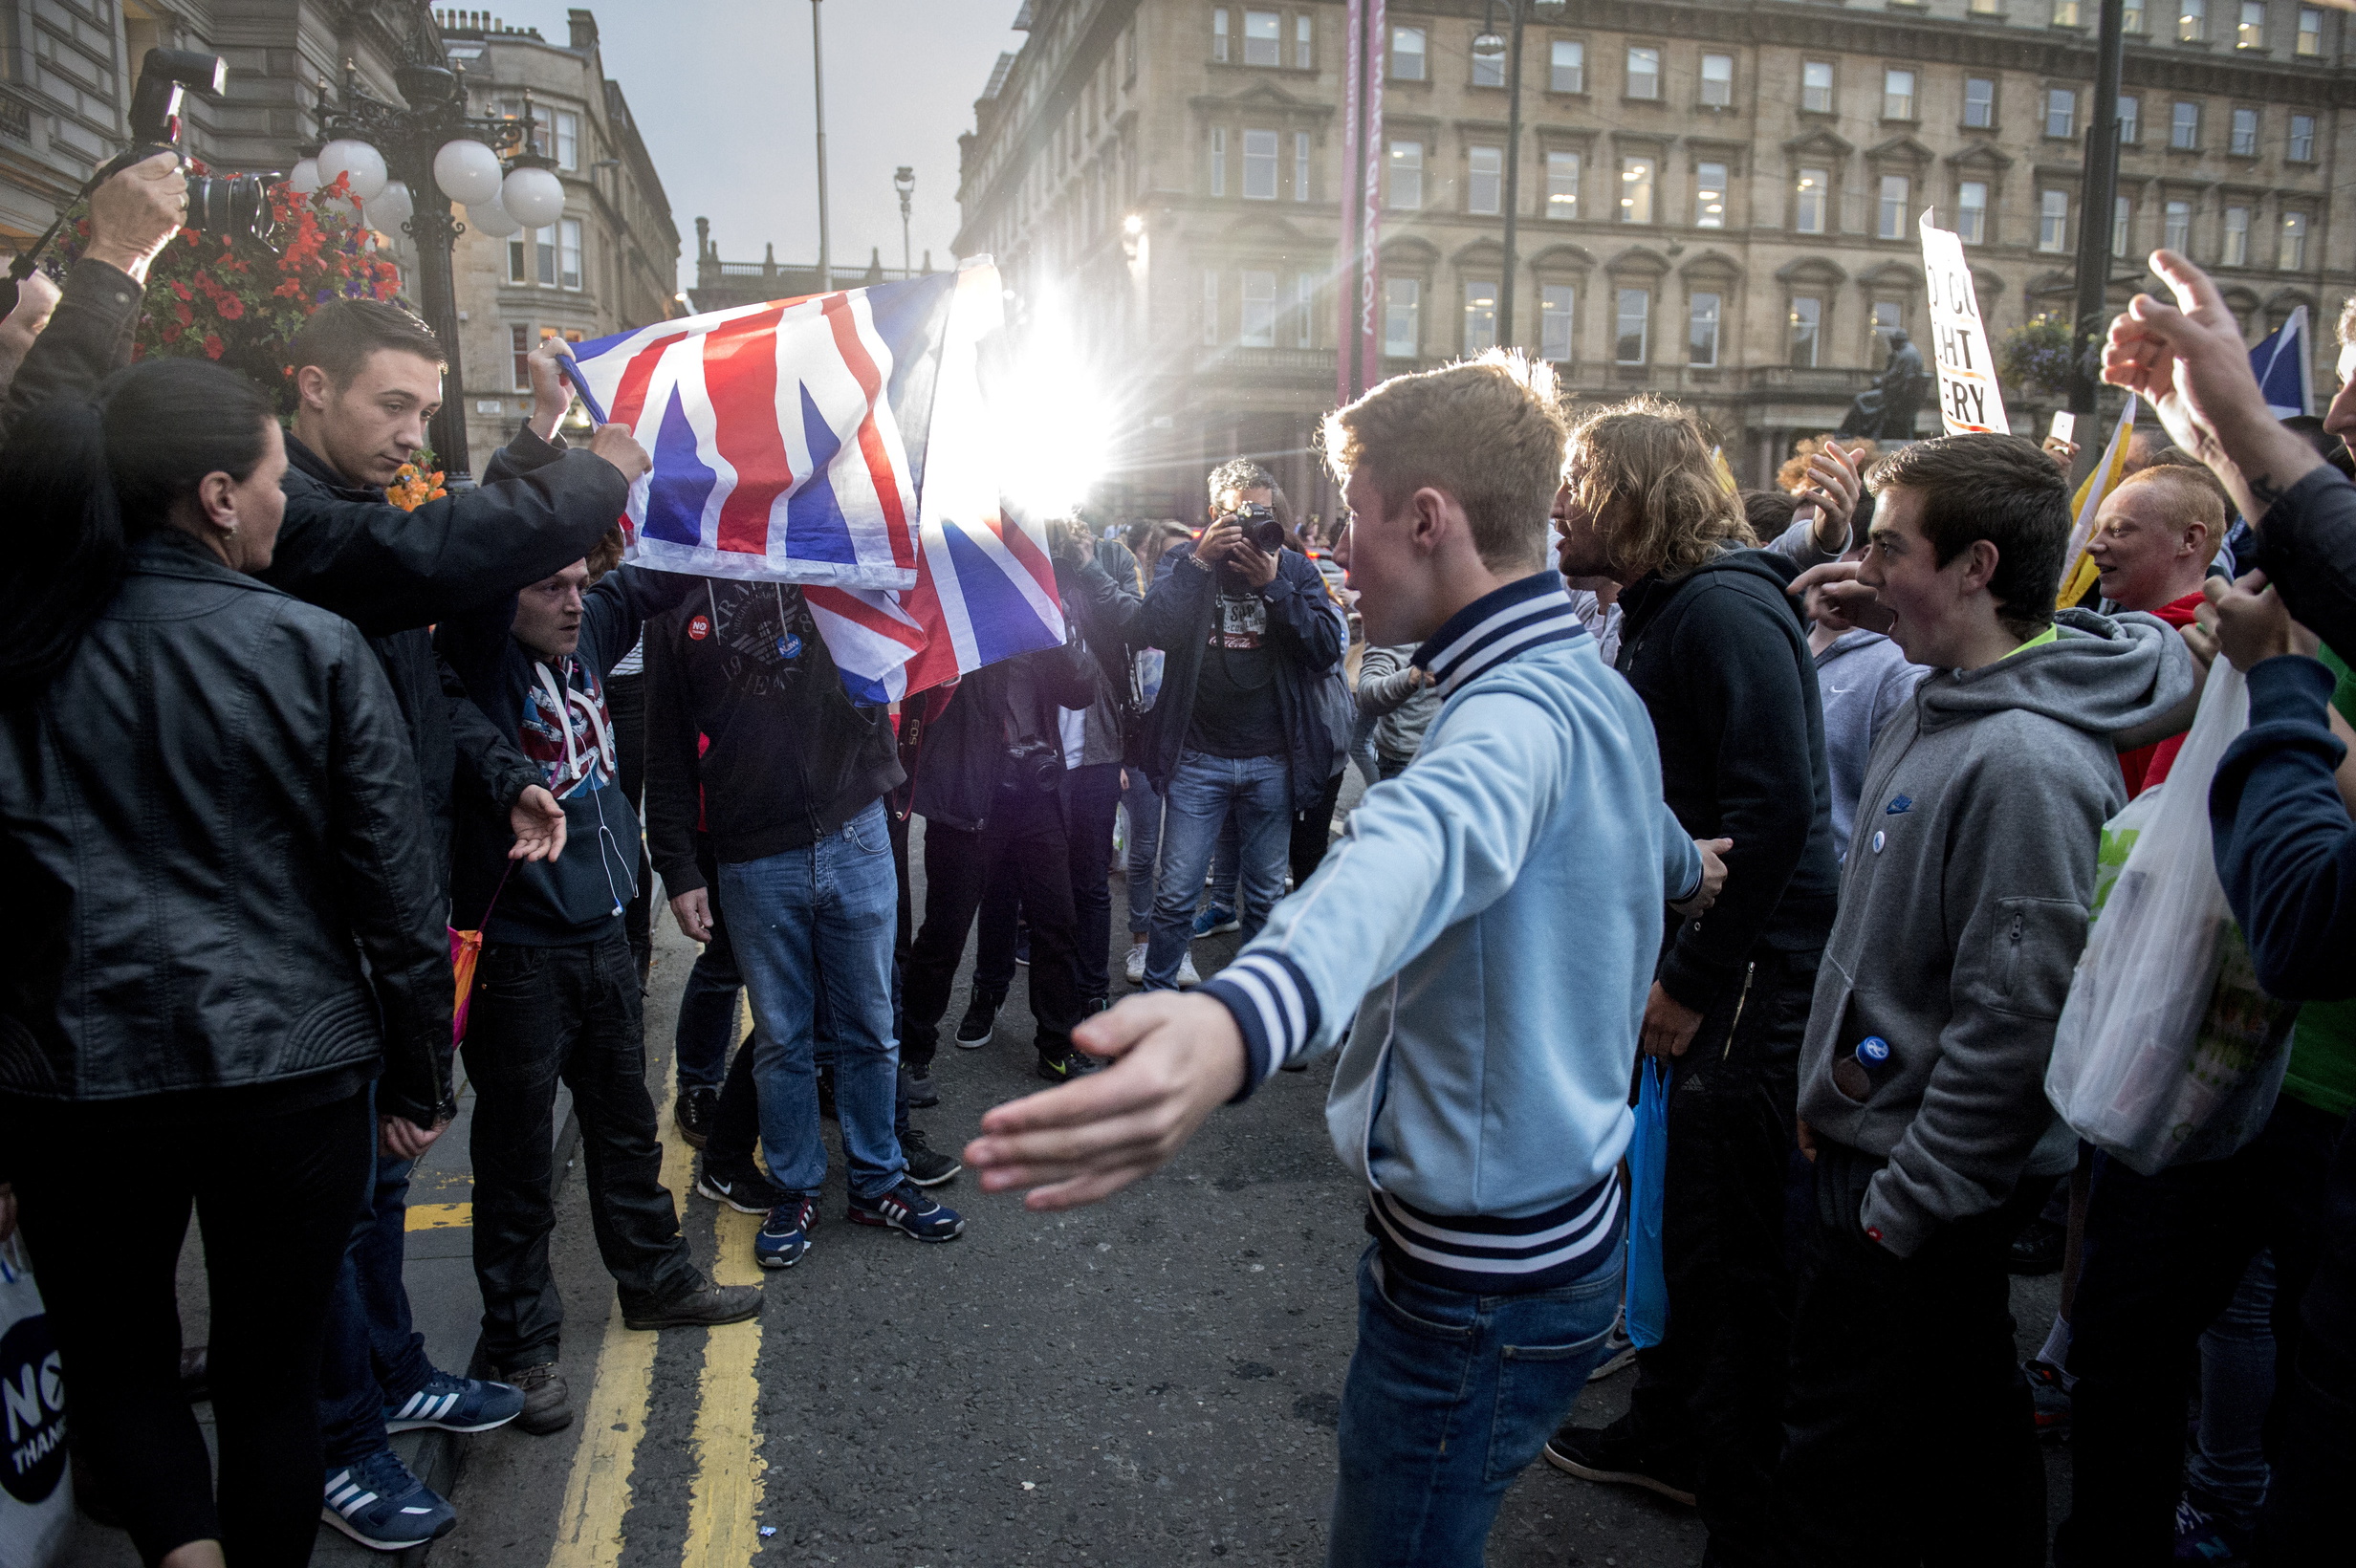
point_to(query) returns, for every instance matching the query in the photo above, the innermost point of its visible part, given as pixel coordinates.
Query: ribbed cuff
(1273, 1005)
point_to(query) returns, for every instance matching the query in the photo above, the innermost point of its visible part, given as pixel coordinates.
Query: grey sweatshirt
(1963, 910)
(1388, 693)
(1863, 681)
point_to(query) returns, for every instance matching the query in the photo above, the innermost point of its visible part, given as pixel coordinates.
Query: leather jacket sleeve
(88, 335)
(486, 758)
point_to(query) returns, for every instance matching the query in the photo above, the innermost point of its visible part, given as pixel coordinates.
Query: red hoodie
(2148, 765)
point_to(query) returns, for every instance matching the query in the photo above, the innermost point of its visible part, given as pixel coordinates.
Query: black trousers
(2163, 1256)
(1907, 1436)
(1712, 1392)
(542, 1014)
(1312, 831)
(626, 700)
(276, 1197)
(2306, 1500)
(1027, 839)
(1091, 800)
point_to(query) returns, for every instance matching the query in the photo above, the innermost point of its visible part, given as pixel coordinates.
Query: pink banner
(1358, 342)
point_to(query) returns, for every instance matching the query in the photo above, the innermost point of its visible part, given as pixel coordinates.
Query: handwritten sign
(1970, 401)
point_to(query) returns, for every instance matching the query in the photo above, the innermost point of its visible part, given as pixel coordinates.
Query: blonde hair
(2195, 496)
(1655, 454)
(1487, 431)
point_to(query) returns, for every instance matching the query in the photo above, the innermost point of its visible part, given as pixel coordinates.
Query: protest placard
(1970, 401)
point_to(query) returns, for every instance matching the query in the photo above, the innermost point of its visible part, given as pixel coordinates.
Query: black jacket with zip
(966, 758)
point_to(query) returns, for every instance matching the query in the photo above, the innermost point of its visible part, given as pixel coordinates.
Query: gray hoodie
(1863, 681)
(1963, 910)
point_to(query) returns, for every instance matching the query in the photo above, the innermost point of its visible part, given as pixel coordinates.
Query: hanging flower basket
(2035, 356)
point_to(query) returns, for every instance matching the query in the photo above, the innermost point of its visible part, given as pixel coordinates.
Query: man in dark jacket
(1236, 728)
(1712, 643)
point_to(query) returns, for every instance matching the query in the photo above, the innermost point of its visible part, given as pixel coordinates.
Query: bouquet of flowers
(416, 481)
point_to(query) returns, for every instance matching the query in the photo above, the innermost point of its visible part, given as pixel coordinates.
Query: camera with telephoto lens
(1034, 765)
(1260, 528)
(234, 205)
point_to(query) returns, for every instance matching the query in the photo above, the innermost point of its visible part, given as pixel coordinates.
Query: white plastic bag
(2167, 1050)
(36, 1496)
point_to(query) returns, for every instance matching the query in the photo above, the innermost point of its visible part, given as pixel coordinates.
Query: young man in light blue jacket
(1486, 1114)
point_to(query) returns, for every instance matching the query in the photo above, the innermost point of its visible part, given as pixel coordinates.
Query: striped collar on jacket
(1522, 615)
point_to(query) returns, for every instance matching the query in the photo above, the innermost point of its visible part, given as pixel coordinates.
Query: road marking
(597, 1494)
(439, 1216)
(727, 1489)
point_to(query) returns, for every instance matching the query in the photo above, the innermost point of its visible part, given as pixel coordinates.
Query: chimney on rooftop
(585, 24)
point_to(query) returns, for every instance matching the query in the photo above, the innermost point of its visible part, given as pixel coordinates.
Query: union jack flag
(839, 441)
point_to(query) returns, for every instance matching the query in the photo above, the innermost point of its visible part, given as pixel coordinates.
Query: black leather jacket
(208, 823)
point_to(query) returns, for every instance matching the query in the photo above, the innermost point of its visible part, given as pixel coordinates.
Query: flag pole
(818, 78)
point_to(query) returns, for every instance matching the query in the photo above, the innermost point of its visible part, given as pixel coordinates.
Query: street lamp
(904, 181)
(818, 78)
(1488, 46)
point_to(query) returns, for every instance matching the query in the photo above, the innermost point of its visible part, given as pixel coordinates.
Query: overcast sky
(722, 91)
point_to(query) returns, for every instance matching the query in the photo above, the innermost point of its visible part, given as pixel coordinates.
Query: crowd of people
(1799, 794)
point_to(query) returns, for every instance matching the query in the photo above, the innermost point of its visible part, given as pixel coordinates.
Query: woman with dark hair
(221, 928)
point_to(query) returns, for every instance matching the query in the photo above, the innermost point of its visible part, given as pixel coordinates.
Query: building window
(2131, 16)
(2065, 13)
(1304, 43)
(1407, 176)
(1218, 34)
(1631, 322)
(1483, 189)
(1897, 95)
(1259, 166)
(1890, 219)
(1301, 165)
(1304, 310)
(1644, 72)
(1489, 64)
(2053, 220)
(2131, 120)
(1717, 81)
(2310, 33)
(1808, 322)
(1218, 160)
(1889, 319)
(1636, 190)
(2193, 21)
(1980, 104)
(1567, 71)
(544, 241)
(1406, 53)
(1557, 303)
(2302, 138)
(1263, 37)
(2244, 143)
(2122, 226)
(2184, 127)
(1702, 332)
(568, 253)
(1987, 8)
(519, 340)
(1971, 211)
(1710, 195)
(2252, 33)
(1480, 314)
(2060, 111)
(1809, 200)
(568, 138)
(1562, 186)
(1260, 310)
(1816, 86)
(519, 257)
(1211, 309)
(2292, 255)
(2236, 251)
(1402, 301)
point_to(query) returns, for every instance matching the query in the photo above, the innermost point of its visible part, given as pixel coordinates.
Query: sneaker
(928, 1167)
(785, 1234)
(455, 1404)
(1071, 1063)
(918, 1082)
(1610, 1454)
(2038, 1248)
(2204, 1534)
(548, 1405)
(1619, 1350)
(2049, 1394)
(704, 1306)
(1212, 920)
(377, 1503)
(1134, 968)
(1022, 946)
(909, 1209)
(748, 1191)
(693, 1111)
(1187, 975)
(980, 1022)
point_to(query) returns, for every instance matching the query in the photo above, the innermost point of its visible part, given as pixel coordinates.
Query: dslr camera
(235, 205)
(1260, 528)
(1035, 766)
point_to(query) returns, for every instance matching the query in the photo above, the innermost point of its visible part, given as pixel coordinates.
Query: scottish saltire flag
(2284, 367)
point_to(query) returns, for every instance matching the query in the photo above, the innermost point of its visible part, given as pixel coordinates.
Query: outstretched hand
(1175, 1059)
(1830, 494)
(1832, 596)
(2248, 620)
(537, 822)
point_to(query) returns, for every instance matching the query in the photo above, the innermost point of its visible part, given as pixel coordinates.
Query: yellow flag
(1726, 475)
(2099, 484)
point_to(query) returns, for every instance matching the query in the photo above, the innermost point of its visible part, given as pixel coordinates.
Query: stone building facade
(1716, 201)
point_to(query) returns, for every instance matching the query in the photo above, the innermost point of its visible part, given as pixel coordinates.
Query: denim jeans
(1144, 809)
(815, 926)
(1448, 1398)
(1203, 790)
(2237, 1388)
(375, 1356)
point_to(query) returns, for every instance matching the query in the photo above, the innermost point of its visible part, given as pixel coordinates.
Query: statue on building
(1886, 411)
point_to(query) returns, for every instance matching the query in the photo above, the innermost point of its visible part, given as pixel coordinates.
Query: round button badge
(1879, 838)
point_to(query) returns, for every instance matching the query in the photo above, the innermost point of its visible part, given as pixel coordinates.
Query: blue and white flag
(2286, 368)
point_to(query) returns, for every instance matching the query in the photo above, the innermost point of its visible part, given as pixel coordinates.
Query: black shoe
(928, 1167)
(921, 1095)
(1071, 1063)
(980, 1022)
(826, 1094)
(2038, 1248)
(548, 1405)
(693, 1111)
(747, 1191)
(707, 1305)
(1611, 1454)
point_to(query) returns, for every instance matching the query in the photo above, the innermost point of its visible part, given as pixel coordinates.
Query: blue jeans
(1448, 1398)
(2237, 1390)
(828, 908)
(1202, 792)
(375, 1357)
(1145, 847)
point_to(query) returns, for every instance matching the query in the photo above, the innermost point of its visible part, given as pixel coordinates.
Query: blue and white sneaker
(455, 1404)
(909, 1210)
(377, 1503)
(1213, 919)
(785, 1234)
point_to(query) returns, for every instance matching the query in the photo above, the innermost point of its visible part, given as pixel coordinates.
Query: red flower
(213, 346)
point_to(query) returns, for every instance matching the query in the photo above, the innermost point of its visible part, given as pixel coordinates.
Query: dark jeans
(2306, 1519)
(542, 1014)
(109, 1289)
(1907, 1436)
(1027, 837)
(2163, 1256)
(1091, 800)
(625, 702)
(707, 1005)
(375, 1354)
(1313, 832)
(1711, 1393)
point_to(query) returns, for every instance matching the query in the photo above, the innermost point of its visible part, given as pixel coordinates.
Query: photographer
(1248, 629)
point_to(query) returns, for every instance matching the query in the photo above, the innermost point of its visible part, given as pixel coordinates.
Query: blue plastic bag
(1647, 1278)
